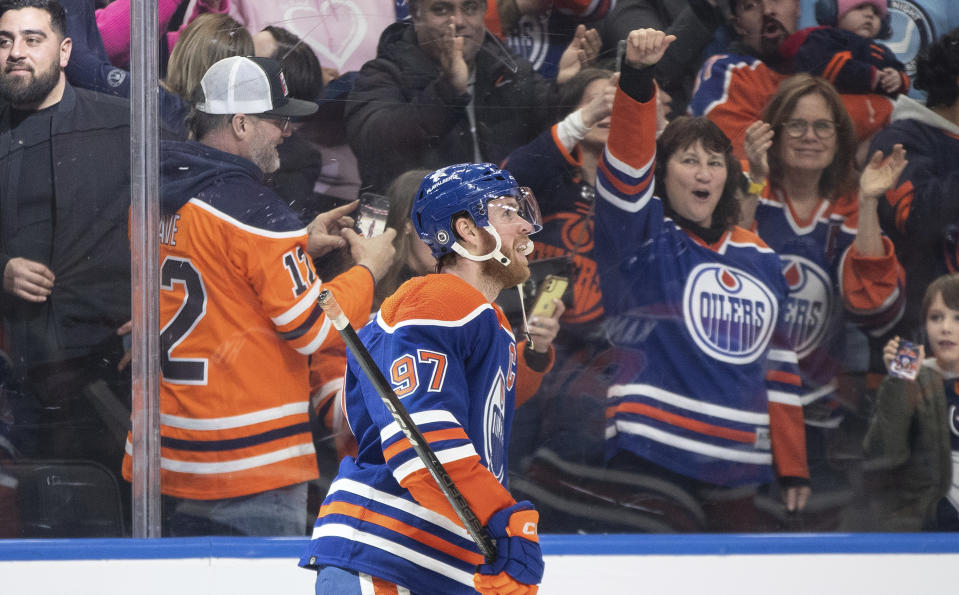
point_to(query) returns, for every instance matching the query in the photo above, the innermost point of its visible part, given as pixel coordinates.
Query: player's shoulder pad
(441, 297)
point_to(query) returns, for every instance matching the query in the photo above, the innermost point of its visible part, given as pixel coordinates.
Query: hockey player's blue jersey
(712, 381)
(452, 359)
(829, 282)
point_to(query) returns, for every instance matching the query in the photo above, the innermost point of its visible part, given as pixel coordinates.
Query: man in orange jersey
(453, 360)
(239, 312)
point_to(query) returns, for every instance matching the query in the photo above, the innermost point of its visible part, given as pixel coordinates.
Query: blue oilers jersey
(713, 389)
(829, 283)
(451, 358)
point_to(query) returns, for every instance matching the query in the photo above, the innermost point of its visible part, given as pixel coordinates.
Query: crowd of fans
(755, 226)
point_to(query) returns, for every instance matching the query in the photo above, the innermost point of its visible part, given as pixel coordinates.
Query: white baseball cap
(249, 85)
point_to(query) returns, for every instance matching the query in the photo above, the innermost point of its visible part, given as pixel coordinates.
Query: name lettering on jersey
(168, 229)
(729, 313)
(404, 372)
(810, 303)
(494, 432)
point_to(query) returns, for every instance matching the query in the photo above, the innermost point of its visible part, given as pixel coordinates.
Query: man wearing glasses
(238, 312)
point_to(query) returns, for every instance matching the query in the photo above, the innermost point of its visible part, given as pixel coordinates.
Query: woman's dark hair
(948, 286)
(937, 68)
(839, 176)
(300, 65)
(571, 92)
(686, 131)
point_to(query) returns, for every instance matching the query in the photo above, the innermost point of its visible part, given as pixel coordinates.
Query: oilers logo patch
(729, 313)
(494, 439)
(810, 303)
(912, 31)
(954, 420)
(530, 39)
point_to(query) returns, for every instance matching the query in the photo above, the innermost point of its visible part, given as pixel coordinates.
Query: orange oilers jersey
(239, 319)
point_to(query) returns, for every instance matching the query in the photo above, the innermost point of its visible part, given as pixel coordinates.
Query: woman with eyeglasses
(804, 202)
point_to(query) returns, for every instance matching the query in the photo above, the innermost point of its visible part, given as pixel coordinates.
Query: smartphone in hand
(553, 286)
(371, 214)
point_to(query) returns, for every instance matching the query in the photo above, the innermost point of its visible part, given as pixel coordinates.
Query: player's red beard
(516, 272)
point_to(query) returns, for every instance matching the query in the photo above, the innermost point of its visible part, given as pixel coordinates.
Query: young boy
(844, 49)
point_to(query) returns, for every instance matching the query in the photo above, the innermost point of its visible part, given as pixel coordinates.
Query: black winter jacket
(90, 144)
(403, 114)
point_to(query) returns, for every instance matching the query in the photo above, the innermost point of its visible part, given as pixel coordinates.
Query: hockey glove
(519, 561)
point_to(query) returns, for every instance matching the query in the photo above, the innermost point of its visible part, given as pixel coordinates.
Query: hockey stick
(408, 426)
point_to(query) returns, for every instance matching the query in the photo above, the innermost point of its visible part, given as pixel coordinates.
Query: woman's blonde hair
(205, 41)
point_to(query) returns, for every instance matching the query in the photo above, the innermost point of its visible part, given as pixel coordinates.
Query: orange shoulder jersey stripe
(239, 316)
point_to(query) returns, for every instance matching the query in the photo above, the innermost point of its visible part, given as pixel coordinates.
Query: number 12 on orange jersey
(405, 377)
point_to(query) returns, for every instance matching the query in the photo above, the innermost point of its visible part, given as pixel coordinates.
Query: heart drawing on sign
(334, 30)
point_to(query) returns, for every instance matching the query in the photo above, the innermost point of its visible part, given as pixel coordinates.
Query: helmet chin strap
(494, 253)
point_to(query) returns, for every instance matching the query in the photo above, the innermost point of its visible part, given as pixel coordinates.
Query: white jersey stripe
(347, 532)
(419, 418)
(630, 206)
(196, 468)
(784, 398)
(431, 322)
(318, 340)
(786, 356)
(718, 452)
(305, 303)
(412, 508)
(445, 456)
(625, 168)
(694, 405)
(822, 391)
(234, 421)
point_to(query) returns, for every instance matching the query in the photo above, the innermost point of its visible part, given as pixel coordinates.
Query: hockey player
(454, 361)
(712, 405)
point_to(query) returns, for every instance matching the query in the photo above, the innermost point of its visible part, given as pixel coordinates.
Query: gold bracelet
(756, 187)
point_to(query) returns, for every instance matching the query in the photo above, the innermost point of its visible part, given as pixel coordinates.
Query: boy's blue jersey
(709, 381)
